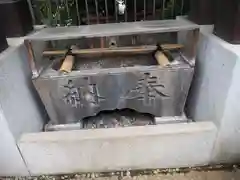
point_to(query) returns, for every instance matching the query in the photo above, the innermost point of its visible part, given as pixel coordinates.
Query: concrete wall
(20, 108)
(227, 147)
(18, 98)
(11, 162)
(215, 94)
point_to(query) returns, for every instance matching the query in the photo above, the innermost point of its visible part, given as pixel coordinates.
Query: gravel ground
(213, 175)
(208, 173)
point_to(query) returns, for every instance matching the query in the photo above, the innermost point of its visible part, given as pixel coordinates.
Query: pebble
(235, 166)
(77, 176)
(181, 174)
(128, 173)
(92, 175)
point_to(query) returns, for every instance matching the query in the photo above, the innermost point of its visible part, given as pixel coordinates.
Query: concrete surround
(213, 137)
(214, 94)
(20, 110)
(11, 162)
(118, 149)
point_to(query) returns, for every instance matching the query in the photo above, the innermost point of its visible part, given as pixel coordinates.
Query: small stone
(181, 174)
(128, 173)
(77, 176)
(145, 177)
(112, 173)
(195, 168)
(92, 175)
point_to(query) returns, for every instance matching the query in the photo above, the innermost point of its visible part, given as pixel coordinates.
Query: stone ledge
(160, 146)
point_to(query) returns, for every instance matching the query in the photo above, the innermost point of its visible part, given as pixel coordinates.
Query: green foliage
(65, 12)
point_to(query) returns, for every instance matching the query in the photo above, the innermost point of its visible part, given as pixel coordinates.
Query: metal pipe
(31, 61)
(116, 11)
(58, 13)
(32, 11)
(144, 9)
(130, 49)
(182, 6)
(135, 10)
(66, 4)
(154, 8)
(106, 9)
(87, 12)
(125, 10)
(173, 7)
(163, 9)
(50, 11)
(78, 14)
(96, 6)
